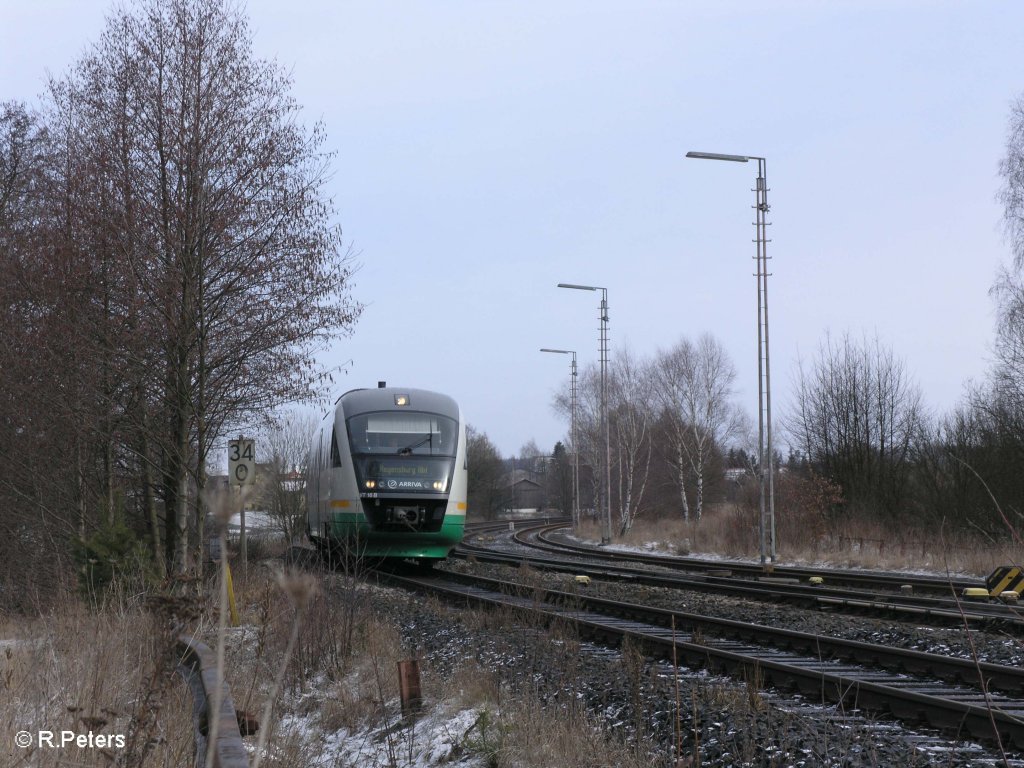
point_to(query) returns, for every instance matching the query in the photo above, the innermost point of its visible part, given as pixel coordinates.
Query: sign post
(242, 470)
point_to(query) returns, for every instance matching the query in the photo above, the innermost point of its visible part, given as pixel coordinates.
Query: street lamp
(606, 536)
(764, 389)
(575, 444)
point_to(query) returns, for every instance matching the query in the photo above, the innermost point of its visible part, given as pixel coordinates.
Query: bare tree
(694, 387)
(985, 437)
(484, 495)
(859, 418)
(41, 485)
(590, 443)
(531, 457)
(629, 408)
(1002, 400)
(629, 418)
(287, 443)
(1011, 168)
(212, 196)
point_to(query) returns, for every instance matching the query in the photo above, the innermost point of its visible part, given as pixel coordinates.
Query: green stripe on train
(352, 527)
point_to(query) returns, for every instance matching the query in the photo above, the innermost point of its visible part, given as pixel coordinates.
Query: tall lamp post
(606, 536)
(575, 444)
(764, 390)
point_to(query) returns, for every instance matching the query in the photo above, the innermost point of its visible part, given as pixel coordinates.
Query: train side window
(335, 454)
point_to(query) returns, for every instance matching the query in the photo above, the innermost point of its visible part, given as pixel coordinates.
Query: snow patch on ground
(254, 521)
(437, 738)
(651, 547)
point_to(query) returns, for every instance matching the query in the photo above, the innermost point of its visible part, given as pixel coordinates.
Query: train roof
(359, 401)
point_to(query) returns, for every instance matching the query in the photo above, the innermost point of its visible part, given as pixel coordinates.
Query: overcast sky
(487, 151)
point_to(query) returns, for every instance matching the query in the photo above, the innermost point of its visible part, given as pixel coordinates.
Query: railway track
(751, 583)
(960, 698)
(549, 537)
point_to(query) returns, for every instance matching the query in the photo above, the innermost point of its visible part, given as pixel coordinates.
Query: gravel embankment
(727, 721)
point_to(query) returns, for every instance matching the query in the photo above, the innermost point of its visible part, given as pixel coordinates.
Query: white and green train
(387, 475)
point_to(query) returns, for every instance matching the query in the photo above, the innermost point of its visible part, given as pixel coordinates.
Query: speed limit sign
(241, 461)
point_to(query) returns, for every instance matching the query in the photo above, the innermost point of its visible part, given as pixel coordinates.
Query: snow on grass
(437, 738)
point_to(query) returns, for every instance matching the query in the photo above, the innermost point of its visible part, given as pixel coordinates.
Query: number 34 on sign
(241, 461)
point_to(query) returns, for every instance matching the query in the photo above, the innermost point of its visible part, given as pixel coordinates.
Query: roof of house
(520, 476)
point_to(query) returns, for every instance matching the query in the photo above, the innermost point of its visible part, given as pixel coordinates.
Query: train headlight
(439, 485)
(371, 484)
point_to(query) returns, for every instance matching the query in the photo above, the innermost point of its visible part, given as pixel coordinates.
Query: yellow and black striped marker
(1008, 578)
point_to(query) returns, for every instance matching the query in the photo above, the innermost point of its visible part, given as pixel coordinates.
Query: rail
(915, 692)
(933, 611)
(198, 667)
(942, 585)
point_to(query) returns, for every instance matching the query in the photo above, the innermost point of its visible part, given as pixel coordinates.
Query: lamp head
(717, 156)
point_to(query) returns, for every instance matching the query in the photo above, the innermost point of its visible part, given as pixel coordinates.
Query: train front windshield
(403, 452)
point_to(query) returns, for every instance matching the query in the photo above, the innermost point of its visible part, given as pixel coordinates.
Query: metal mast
(766, 461)
(766, 454)
(575, 444)
(605, 488)
(575, 450)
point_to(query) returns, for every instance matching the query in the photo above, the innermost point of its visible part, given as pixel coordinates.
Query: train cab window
(335, 453)
(403, 434)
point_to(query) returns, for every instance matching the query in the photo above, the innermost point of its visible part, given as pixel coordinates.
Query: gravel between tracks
(729, 722)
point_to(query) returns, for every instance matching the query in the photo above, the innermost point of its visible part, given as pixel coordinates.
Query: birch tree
(629, 396)
(589, 440)
(694, 387)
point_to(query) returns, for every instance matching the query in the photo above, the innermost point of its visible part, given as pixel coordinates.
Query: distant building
(735, 474)
(523, 491)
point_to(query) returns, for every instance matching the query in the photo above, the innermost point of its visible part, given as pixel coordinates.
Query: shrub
(112, 554)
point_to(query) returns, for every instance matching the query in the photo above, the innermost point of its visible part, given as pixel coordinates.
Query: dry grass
(341, 675)
(108, 670)
(331, 668)
(514, 729)
(346, 683)
(530, 735)
(86, 672)
(731, 531)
